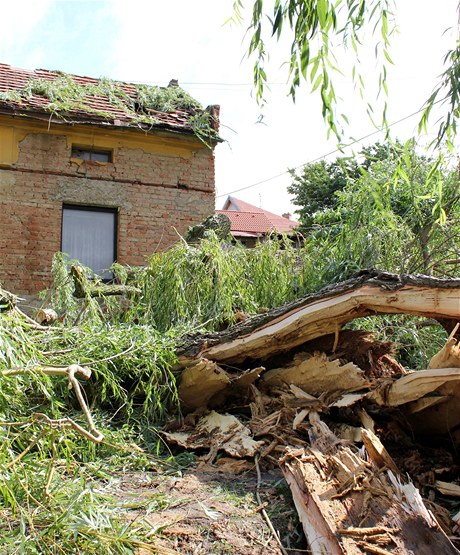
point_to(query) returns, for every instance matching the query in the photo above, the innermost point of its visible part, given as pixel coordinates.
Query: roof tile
(254, 220)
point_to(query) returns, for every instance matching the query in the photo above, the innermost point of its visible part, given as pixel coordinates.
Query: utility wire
(323, 155)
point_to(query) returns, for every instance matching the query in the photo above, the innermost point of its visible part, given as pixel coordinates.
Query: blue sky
(152, 42)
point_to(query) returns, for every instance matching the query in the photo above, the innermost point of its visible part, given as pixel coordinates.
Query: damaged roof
(65, 98)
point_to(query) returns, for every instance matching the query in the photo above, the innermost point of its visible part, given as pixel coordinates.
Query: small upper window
(95, 155)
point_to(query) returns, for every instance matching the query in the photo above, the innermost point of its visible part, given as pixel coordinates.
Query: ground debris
(218, 432)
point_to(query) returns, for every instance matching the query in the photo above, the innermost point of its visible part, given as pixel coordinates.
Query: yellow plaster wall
(8, 145)
(13, 131)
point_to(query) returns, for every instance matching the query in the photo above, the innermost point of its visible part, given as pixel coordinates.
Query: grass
(235, 494)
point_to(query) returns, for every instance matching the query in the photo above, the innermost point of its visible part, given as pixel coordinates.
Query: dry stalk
(263, 511)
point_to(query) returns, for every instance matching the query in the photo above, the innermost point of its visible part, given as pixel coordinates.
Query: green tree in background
(315, 188)
(389, 207)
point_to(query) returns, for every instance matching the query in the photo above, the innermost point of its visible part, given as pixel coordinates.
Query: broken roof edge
(115, 125)
(88, 100)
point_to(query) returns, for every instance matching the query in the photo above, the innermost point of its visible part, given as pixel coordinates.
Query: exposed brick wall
(154, 194)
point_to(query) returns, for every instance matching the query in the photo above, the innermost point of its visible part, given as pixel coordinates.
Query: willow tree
(318, 31)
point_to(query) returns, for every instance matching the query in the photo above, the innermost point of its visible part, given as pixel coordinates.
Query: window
(92, 154)
(89, 235)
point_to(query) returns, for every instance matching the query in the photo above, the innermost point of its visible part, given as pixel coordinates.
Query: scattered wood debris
(368, 449)
(220, 432)
(355, 434)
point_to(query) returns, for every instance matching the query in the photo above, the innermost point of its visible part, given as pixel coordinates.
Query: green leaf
(305, 58)
(317, 83)
(387, 56)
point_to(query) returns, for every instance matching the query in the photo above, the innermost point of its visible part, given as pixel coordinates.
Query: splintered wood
(449, 355)
(359, 438)
(225, 432)
(316, 373)
(347, 505)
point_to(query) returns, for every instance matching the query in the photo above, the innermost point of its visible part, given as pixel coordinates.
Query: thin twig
(130, 348)
(263, 511)
(26, 450)
(49, 479)
(84, 373)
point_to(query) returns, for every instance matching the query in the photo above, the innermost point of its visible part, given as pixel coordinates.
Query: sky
(153, 42)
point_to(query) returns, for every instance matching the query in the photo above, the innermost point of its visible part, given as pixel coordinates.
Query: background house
(99, 169)
(250, 224)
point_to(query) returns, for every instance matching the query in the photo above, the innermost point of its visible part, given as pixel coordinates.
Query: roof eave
(95, 120)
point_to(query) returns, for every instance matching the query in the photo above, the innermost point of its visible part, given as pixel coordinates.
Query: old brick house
(99, 169)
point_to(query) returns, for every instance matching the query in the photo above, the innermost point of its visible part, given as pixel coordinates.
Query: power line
(323, 155)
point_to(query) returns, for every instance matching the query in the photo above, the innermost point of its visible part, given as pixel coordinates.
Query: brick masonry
(157, 196)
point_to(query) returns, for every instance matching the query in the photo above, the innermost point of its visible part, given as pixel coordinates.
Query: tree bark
(368, 293)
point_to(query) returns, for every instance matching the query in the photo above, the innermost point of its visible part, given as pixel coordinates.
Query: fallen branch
(84, 288)
(71, 372)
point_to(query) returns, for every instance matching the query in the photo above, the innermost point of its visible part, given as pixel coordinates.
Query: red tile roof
(248, 219)
(97, 109)
(233, 203)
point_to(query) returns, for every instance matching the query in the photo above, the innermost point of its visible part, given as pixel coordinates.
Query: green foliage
(314, 30)
(58, 497)
(391, 208)
(204, 286)
(55, 485)
(318, 32)
(446, 92)
(315, 189)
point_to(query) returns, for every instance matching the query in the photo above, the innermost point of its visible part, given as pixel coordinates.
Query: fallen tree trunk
(350, 501)
(369, 293)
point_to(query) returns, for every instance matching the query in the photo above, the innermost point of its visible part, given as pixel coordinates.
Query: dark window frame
(80, 152)
(94, 208)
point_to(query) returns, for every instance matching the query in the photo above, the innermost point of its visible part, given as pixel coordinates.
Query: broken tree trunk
(428, 398)
(349, 505)
(85, 288)
(368, 293)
